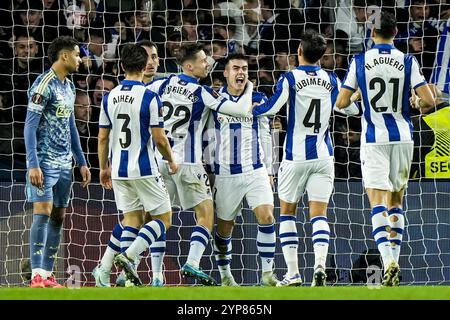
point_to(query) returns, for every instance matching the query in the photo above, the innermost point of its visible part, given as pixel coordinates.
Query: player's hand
(356, 96)
(86, 175)
(105, 178)
(36, 177)
(173, 167)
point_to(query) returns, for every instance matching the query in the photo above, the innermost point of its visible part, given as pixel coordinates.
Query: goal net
(268, 32)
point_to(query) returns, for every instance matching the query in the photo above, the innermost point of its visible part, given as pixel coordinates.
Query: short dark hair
(313, 45)
(147, 43)
(188, 52)
(235, 56)
(133, 58)
(60, 44)
(387, 26)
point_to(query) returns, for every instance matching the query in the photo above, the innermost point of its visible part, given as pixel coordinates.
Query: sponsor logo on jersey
(62, 111)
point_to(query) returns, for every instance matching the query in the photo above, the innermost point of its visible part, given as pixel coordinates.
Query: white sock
(380, 227)
(321, 240)
(265, 242)
(289, 242)
(112, 248)
(40, 272)
(397, 220)
(199, 240)
(157, 251)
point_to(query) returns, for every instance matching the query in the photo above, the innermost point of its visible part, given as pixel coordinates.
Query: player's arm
(105, 126)
(78, 152)
(216, 102)
(348, 92)
(425, 97)
(37, 99)
(276, 102)
(158, 133)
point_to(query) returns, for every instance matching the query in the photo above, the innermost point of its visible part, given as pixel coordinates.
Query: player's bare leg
(204, 212)
(289, 243)
(321, 239)
(266, 240)
(381, 230)
(222, 251)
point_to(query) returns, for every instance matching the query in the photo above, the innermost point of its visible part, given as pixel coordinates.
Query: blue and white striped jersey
(242, 144)
(441, 70)
(310, 94)
(129, 111)
(187, 106)
(384, 75)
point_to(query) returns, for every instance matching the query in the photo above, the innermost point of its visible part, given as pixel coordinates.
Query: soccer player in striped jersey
(51, 138)
(384, 76)
(102, 272)
(187, 106)
(130, 118)
(242, 171)
(310, 94)
(441, 71)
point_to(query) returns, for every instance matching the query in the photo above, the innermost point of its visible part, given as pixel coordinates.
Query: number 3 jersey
(130, 111)
(384, 76)
(310, 94)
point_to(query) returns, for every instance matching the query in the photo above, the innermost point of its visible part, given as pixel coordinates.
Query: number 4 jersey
(384, 75)
(130, 111)
(310, 94)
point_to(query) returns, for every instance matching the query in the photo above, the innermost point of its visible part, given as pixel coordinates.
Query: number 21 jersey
(384, 75)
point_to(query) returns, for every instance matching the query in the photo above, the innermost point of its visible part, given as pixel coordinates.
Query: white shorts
(191, 185)
(386, 167)
(316, 176)
(229, 192)
(147, 193)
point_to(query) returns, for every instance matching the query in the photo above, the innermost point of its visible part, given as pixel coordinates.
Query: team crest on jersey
(220, 119)
(36, 98)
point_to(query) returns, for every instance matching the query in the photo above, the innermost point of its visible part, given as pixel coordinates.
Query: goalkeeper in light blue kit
(51, 137)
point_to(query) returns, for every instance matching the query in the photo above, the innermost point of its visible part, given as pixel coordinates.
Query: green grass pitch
(230, 293)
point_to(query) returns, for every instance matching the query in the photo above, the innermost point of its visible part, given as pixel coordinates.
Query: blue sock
(38, 235)
(52, 243)
(266, 241)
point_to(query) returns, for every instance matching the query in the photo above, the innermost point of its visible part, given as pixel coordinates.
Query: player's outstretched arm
(423, 98)
(103, 150)
(78, 153)
(276, 102)
(216, 102)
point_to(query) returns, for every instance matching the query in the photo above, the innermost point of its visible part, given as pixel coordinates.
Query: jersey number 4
(373, 102)
(313, 107)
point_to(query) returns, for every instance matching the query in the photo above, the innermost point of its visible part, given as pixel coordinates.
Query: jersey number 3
(125, 144)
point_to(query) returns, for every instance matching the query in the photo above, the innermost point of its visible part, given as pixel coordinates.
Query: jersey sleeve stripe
(335, 91)
(105, 107)
(347, 87)
(44, 82)
(419, 85)
(361, 78)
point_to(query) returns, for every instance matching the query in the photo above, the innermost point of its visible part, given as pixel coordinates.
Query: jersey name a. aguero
(310, 94)
(241, 141)
(187, 106)
(384, 75)
(130, 111)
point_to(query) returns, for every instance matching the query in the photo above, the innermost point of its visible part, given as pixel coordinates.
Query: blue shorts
(57, 187)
